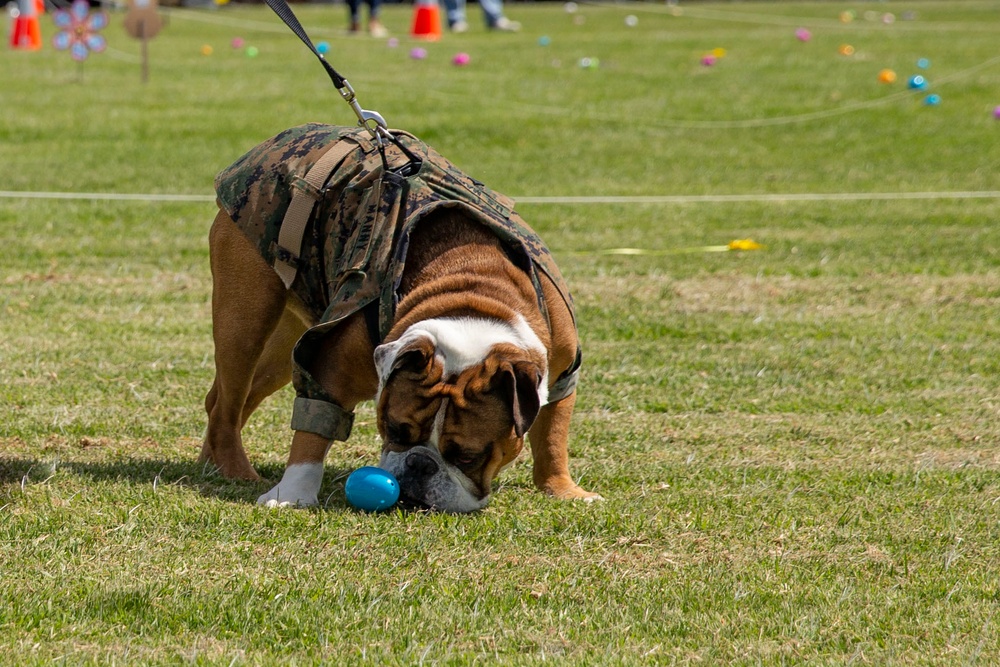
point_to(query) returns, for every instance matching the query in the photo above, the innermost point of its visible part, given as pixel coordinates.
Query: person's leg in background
(455, 13)
(354, 16)
(495, 20)
(375, 27)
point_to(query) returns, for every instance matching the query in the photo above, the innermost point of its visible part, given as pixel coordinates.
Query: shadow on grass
(205, 479)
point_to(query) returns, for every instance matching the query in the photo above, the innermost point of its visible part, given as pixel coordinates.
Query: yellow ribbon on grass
(736, 244)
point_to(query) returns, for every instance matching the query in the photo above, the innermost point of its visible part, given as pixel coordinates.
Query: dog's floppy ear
(519, 382)
(413, 355)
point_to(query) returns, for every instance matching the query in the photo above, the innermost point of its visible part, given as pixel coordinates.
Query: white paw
(274, 502)
(299, 487)
(278, 498)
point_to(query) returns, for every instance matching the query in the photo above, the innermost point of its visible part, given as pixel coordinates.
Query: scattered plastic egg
(371, 489)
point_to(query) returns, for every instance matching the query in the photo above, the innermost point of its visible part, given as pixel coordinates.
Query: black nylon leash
(285, 13)
(370, 120)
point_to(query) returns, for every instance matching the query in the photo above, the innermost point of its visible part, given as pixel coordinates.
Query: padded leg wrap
(322, 418)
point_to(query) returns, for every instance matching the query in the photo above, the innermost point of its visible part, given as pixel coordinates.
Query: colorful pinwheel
(78, 30)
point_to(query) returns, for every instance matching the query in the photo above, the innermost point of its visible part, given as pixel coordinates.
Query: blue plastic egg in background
(371, 489)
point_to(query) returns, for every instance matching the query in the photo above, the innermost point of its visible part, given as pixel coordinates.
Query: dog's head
(455, 399)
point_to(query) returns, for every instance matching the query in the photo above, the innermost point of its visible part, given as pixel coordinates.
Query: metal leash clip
(370, 120)
(379, 129)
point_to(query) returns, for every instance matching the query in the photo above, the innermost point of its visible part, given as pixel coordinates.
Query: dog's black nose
(421, 464)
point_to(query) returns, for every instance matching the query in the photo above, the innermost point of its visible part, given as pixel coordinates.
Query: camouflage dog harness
(354, 248)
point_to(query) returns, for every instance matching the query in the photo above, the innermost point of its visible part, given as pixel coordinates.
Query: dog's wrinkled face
(455, 400)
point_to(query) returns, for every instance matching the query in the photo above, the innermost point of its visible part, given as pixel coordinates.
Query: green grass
(799, 446)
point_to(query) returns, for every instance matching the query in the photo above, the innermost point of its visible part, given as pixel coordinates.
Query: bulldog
(387, 274)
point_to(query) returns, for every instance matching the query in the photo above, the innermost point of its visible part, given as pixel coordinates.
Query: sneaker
(504, 24)
(354, 28)
(459, 26)
(376, 29)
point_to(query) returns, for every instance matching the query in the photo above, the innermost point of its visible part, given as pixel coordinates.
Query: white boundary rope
(104, 196)
(761, 198)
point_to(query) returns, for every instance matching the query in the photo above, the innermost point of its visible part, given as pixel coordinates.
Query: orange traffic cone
(426, 20)
(26, 33)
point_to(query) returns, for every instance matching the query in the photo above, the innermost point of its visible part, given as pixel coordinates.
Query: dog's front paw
(277, 497)
(299, 487)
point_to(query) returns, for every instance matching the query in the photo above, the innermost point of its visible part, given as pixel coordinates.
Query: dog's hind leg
(274, 368)
(248, 300)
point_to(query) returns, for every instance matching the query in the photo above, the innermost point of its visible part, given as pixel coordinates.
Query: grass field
(799, 445)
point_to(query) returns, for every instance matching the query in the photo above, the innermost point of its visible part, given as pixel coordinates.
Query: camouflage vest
(354, 249)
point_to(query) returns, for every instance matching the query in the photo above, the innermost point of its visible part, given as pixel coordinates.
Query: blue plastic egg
(323, 47)
(932, 100)
(371, 489)
(918, 82)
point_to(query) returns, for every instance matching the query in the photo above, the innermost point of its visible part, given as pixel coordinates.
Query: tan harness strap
(293, 225)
